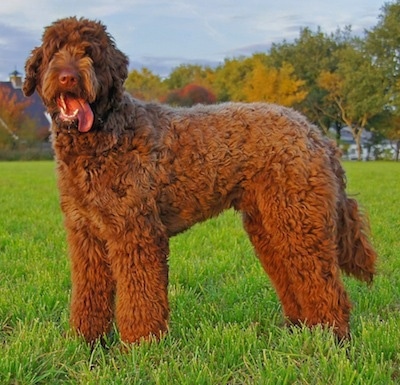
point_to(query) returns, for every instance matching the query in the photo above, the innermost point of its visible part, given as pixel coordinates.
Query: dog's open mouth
(75, 109)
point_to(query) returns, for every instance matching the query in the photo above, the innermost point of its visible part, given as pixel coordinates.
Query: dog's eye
(88, 51)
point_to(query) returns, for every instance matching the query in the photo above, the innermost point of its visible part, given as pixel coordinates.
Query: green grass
(226, 322)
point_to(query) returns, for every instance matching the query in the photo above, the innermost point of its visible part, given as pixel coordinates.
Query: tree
(387, 125)
(255, 79)
(145, 85)
(13, 121)
(274, 85)
(186, 74)
(311, 54)
(356, 89)
(392, 132)
(383, 43)
(190, 95)
(229, 79)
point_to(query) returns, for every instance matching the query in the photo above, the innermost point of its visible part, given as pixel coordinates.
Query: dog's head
(77, 71)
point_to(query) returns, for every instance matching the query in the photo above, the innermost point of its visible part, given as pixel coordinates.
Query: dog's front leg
(139, 264)
(93, 287)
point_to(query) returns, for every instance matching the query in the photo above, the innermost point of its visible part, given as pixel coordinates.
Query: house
(370, 150)
(35, 109)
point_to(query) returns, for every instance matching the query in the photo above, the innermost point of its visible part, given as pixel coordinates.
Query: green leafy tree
(230, 78)
(186, 74)
(383, 43)
(311, 54)
(387, 125)
(392, 132)
(145, 85)
(355, 88)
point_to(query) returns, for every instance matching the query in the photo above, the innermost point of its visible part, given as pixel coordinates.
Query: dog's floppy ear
(31, 71)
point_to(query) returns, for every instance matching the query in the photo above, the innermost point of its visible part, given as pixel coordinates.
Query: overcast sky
(161, 34)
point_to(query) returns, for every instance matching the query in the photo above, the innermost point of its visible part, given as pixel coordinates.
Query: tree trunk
(338, 129)
(357, 131)
(359, 148)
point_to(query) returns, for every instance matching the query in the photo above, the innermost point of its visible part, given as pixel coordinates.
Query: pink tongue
(85, 114)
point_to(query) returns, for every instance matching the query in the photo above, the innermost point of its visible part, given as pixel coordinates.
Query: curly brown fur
(133, 174)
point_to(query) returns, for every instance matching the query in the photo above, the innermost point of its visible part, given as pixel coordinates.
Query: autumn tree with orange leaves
(255, 79)
(274, 85)
(190, 95)
(13, 122)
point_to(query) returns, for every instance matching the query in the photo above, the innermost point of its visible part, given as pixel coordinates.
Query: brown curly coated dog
(133, 174)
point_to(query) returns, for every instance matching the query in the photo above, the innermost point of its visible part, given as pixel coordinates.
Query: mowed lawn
(226, 323)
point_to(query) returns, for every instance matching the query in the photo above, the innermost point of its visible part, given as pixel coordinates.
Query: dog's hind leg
(274, 267)
(294, 234)
(92, 302)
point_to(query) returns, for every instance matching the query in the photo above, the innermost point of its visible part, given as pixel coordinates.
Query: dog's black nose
(67, 79)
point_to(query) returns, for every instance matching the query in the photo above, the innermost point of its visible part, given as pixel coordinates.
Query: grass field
(226, 322)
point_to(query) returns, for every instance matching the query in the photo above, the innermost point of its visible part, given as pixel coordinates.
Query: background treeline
(336, 79)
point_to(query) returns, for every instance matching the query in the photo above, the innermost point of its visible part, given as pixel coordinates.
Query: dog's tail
(357, 257)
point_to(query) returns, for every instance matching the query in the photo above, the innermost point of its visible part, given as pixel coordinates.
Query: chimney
(16, 79)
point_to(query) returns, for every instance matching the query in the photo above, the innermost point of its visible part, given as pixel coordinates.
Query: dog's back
(207, 156)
